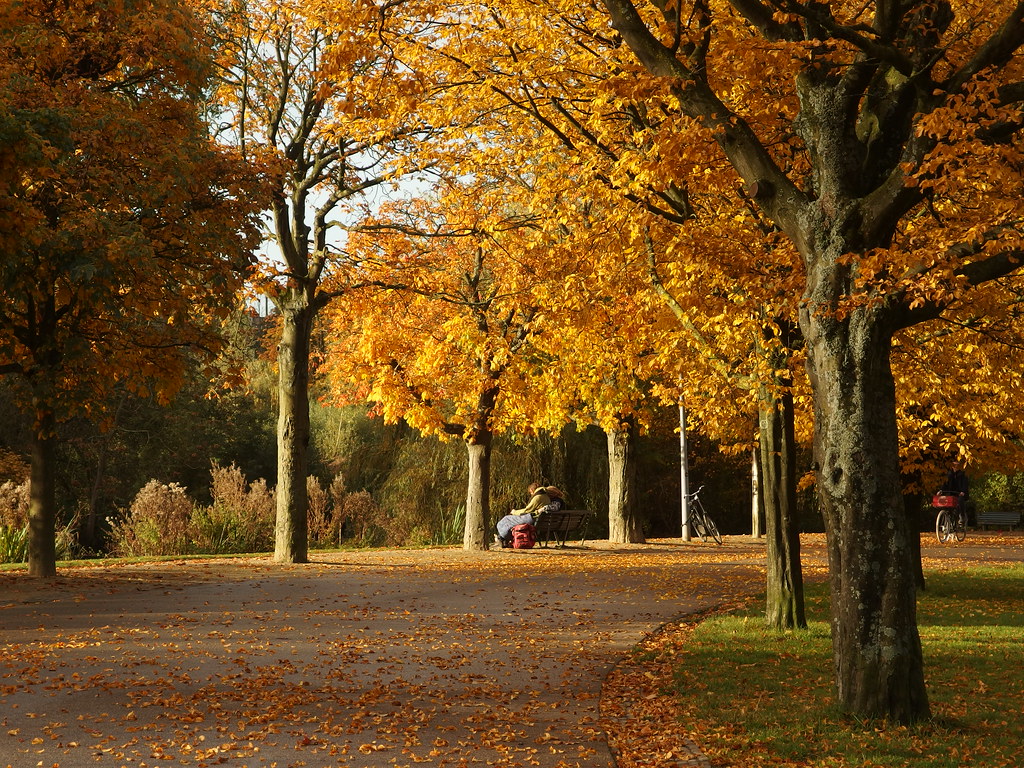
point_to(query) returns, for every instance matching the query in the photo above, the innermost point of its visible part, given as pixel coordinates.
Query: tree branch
(977, 273)
(997, 50)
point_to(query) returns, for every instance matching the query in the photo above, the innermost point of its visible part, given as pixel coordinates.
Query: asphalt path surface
(389, 658)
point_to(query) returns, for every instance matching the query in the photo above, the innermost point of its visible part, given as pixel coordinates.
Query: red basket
(944, 501)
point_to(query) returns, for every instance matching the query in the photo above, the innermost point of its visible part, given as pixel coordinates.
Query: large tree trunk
(624, 524)
(478, 492)
(42, 507)
(876, 646)
(784, 607)
(291, 529)
(479, 439)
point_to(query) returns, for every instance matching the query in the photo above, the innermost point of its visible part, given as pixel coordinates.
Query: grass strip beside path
(752, 697)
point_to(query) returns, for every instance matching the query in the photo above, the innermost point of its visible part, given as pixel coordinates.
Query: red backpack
(524, 536)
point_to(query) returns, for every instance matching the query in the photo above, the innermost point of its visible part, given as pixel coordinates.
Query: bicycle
(700, 521)
(951, 519)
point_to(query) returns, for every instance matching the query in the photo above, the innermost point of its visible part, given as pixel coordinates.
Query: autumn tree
(599, 337)
(311, 87)
(866, 135)
(902, 198)
(134, 225)
(956, 381)
(957, 378)
(568, 92)
(440, 343)
(744, 341)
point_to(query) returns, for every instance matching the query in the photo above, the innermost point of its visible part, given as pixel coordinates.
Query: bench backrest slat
(563, 519)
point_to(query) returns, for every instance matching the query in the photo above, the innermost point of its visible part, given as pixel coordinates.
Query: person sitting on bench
(542, 499)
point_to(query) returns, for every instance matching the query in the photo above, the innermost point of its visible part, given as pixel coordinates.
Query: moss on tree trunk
(291, 529)
(478, 492)
(624, 524)
(876, 645)
(784, 607)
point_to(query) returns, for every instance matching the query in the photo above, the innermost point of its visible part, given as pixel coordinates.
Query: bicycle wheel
(712, 530)
(697, 526)
(943, 526)
(960, 527)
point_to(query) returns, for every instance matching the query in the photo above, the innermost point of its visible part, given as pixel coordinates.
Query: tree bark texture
(478, 492)
(624, 523)
(784, 607)
(876, 646)
(291, 529)
(859, 120)
(42, 505)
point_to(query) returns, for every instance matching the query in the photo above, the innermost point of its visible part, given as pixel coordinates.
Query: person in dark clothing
(957, 485)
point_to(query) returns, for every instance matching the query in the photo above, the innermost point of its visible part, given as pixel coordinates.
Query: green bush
(13, 544)
(996, 491)
(214, 530)
(452, 528)
(13, 522)
(363, 522)
(163, 520)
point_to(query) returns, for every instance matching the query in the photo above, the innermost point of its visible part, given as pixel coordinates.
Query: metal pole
(684, 484)
(755, 497)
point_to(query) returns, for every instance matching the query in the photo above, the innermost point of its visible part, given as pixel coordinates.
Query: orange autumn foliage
(133, 229)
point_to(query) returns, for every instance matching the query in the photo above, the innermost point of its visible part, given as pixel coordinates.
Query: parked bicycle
(951, 518)
(700, 521)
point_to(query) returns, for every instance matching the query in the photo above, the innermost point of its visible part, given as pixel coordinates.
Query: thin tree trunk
(876, 645)
(912, 503)
(291, 529)
(88, 534)
(478, 492)
(624, 524)
(785, 585)
(42, 507)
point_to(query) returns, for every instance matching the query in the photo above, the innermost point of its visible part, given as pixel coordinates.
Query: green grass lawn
(756, 697)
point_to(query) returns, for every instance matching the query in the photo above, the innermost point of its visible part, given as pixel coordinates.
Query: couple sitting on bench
(542, 499)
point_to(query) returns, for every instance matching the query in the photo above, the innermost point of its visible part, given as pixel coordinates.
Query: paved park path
(391, 658)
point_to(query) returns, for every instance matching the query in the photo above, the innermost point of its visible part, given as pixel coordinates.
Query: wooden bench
(1008, 517)
(558, 525)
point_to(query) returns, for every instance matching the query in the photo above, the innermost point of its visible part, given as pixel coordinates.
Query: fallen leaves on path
(437, 657)
(387, 658)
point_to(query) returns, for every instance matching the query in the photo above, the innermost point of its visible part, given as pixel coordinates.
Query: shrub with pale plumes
(157, 523)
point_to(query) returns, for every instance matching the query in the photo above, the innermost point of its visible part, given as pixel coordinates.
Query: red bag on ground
(524, 536)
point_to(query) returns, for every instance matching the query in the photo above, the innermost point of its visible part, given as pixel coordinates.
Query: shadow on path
(390, 658)
(429, 657)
